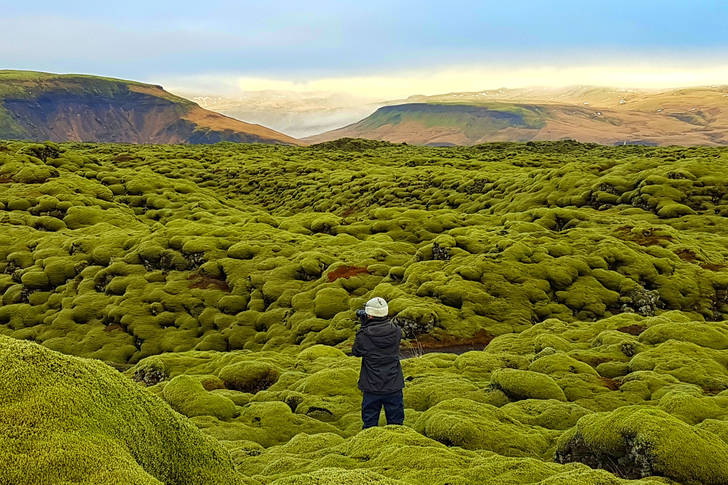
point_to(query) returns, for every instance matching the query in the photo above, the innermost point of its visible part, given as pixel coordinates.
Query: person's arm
(399, 342)
(358, 349)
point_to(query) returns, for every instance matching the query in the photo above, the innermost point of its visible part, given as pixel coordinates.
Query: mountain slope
(43, 106)
(695, 116)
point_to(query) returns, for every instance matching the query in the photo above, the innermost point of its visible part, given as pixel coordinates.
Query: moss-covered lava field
(194, 307)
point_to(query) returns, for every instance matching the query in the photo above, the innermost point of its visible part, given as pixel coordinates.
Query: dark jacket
(377, 342)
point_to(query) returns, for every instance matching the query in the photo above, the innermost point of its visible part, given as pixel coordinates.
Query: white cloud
(468, 78)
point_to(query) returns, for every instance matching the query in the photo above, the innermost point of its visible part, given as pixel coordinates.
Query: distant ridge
(688, 116)
(74, 107)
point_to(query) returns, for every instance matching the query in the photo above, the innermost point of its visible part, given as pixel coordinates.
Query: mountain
(690, 116)
(72, 107)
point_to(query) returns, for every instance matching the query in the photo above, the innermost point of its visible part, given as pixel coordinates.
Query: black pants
(371, 406)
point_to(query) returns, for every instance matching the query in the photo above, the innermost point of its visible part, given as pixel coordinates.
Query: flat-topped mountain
(71, 107)
(690, 116)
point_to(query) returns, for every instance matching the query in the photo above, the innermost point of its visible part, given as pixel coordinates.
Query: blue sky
(303, 41)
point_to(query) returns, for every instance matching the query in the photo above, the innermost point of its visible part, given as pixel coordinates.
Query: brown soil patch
(112, 327)
(690, 256)
(646, 238)
(453, 344)
(713, 266)
(610, 383)
(686, 255)
(632, 329)
(124, 157)
(346, 272)
(206, 282)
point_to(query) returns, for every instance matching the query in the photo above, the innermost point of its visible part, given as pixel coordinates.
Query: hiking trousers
(371, 407)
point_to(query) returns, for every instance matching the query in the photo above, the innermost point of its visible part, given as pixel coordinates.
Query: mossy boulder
(249, 376)
(35, 280)
(550, 414)
(477, 426)
(242, 250)
(638, 442)
(332, 475)
(187, 395)
(72, 420)
(232, 304)
(523, 384)
(268, 423)
(318, 357)
(330, 301)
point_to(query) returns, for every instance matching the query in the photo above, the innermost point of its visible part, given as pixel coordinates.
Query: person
(380, 380)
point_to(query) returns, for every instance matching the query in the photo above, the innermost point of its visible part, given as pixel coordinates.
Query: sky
(382, 49)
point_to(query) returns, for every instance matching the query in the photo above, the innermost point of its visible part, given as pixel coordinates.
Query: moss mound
(71, 420)
(471, 425)
(188, 396)
(249, 376)
(523, 384)
(639, 442)
(397, 454)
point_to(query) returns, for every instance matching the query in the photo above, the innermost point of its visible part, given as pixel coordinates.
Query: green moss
(647, 442)
(338, 475)
(558, 252)
(693, 408)
(687, 362)
(187, 395)
(523, 384)
(480, 364)
(706, 334)
(472, 425)
(117, 432)
(233, 304)
(266, 423)
(242, 250)
(549, 414)
(35, 279)
(330, 301)
(249, 376)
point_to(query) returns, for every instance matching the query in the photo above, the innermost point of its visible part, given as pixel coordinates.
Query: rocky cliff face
(40, 106)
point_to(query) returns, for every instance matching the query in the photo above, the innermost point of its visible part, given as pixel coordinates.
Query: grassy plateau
(183, 314)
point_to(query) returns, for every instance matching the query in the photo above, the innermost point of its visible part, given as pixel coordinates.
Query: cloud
(635, 74)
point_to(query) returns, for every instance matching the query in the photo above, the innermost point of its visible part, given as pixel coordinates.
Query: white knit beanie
(376, 307)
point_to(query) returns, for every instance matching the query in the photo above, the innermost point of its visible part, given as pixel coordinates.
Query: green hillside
(74, 107)
(473, 119)
(29, 84)
(591, 282)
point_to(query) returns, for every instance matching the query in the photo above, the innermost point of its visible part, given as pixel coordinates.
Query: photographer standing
(380, 379)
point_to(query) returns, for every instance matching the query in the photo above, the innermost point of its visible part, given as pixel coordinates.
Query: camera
(361, 315)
